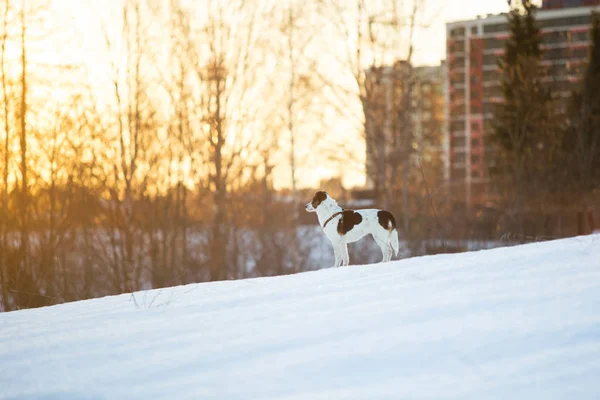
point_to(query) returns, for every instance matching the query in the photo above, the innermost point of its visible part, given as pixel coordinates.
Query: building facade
(428, 114)
(393, 135)
(473, 83)
(556, 4)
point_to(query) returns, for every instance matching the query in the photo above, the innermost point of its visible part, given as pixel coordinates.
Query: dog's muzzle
(308, 207)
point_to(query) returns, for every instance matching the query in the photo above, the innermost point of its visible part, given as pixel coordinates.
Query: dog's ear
(319, 197)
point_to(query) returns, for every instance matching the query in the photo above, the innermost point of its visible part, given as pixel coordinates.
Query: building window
(475, 158)
(490, 59)
(503, 27)
(459, 158)
(458, 47)
(474, 143)
(491, 75)
(473, 30)
(457, 173)
(458, 142)
(575, 37)
(493, 91)
(457, 78)
(458, 126)
(457, 32)
(475, 174)
(566, 21)
(558, 53)
(458, 62)
(488, 108)
(581, 53)
(494, 44)
(458, 112)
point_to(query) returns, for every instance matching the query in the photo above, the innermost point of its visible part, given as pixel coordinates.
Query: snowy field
(509, 323)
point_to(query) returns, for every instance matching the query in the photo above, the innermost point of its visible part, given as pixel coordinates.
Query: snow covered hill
(509, 323)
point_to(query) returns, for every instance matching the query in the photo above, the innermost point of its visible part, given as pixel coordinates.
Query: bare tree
(378, 58)
(5, 163)
(135, 128)
(303, 85)
(586, 132)
(24, 195)
(217, 57)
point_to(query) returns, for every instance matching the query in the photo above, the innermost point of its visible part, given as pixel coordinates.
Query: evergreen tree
(587, 134)
(522, 127)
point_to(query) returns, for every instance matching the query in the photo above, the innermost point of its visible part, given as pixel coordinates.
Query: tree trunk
(4, 227)
(24, 250)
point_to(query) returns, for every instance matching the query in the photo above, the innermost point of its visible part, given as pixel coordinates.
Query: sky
(81, 24)
(430, 44)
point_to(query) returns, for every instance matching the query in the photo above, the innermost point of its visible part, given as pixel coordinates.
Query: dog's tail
(394, 241)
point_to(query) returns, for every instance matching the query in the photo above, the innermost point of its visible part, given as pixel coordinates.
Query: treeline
(541, 145)
(159, 170)
(153, 163)
(545, 137)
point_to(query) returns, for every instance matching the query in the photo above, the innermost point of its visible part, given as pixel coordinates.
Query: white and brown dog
(347, 226)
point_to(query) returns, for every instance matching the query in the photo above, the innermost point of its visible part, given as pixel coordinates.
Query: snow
(520, 323)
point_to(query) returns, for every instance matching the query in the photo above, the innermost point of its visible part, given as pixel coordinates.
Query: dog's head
(319, 198)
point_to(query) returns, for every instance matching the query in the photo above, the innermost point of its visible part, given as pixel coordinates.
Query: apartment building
(389, 138)
(473, 83)
(554, 4)
(428, 113)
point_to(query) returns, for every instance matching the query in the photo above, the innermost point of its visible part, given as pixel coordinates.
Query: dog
(346, 226)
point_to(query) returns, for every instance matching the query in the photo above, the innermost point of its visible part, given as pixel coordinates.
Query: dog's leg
(345, 256)
(386, 249)
(337, 255)
(390, 251)
(388, 254)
